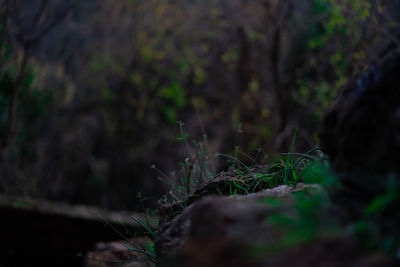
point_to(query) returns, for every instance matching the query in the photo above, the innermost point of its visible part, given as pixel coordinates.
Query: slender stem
(12, 110)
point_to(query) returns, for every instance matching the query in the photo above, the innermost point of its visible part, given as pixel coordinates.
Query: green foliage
(134, 68)
(32, 105)
(148, 224)
(377, 229)
(175, 95)
(286, 169)
(147, 250)
(307, 222)
(341, 36)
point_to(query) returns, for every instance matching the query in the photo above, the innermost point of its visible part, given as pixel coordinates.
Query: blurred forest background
(97, 96)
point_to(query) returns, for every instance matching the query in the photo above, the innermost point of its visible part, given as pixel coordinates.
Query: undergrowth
(146, 249)
(195, 173)
(311, 219)
(196, 179)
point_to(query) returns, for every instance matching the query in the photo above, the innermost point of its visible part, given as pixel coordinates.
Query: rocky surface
(211, 213)
(361, 135)
(219, 185)
(119, 253)
(85, 212)
(361, 132)
(236, 231)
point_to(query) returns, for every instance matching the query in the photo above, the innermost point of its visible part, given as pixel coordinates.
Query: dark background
(97, 98)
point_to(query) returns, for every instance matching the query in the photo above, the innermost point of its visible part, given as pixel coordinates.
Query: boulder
(237, 231)
(210, 215)
(361, 135)
(361, 132)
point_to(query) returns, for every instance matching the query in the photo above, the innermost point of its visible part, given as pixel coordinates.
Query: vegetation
(91, 91)
(287, 169)
(97, 98)
(313, 206)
